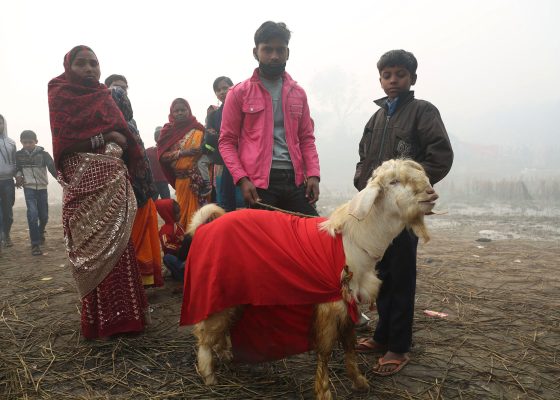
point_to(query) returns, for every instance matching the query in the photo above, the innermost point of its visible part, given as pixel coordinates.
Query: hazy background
(491, 67)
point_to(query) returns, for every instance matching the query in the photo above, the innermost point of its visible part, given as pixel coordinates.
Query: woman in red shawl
(92, 148)
(179, 148)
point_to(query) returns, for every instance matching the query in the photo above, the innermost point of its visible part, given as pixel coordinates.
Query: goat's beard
(419, 228)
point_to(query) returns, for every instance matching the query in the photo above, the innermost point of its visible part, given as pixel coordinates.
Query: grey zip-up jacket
(33, 167)
(7, 154)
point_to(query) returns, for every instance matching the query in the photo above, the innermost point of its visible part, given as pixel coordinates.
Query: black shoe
(36, 250)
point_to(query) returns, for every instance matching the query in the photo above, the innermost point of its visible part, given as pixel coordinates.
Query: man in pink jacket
(266, 137)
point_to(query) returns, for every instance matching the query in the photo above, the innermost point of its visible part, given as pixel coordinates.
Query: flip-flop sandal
(400, 364)
(367, 345)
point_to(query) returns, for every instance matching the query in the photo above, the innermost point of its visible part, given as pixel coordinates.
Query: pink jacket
(246, 134)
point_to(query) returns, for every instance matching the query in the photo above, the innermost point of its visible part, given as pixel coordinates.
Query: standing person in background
(91, 140)
(7, 185)
(159, 177)
(266, 138)
(145, 229)
(225, 187)
(32, 163)
(179, 148)
(403, 127)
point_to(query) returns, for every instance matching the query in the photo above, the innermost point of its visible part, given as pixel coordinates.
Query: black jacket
(415, 131)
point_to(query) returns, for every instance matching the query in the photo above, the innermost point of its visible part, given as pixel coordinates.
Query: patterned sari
(181, 171)
(98, 211)
(188, 182)
(99, 206)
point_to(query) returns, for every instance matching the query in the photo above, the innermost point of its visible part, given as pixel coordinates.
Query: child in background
(32, 163)
(174, 242)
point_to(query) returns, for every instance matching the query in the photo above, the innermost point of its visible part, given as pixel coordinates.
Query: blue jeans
(7, 199)
(175, 266)
(37, 213)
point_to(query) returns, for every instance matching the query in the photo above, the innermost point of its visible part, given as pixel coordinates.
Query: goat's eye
(394, 182)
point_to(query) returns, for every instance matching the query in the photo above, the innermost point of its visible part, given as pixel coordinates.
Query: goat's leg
(348, 341)
(326, 320)
(210, 333)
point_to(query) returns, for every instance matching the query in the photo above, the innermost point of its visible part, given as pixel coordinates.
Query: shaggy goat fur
(398, 195)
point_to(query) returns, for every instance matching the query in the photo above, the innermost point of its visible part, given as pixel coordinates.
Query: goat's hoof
(225, 355)
(210, 380)
(360, 384)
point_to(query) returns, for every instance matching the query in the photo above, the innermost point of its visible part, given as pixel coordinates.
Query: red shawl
(79, 111)
(171, 133)
(171, 229)
(277, 265)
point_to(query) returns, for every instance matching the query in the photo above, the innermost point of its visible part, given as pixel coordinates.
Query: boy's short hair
(219, 79)
(398, 57)
(269, 30)
(114, 77)
(28, 135)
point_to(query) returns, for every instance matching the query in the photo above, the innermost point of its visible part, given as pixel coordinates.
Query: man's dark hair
(219, 79)
(270, 30)
(395, 58)
(26, 135)
(115, 77)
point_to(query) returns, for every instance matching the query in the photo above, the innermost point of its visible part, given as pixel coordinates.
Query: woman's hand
(115, 137)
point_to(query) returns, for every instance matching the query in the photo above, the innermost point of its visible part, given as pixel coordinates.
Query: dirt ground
(501, 339)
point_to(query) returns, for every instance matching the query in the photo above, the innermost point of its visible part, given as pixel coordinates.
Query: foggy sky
(489, 66)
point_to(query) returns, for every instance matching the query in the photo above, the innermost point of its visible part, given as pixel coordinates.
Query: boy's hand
(249, 191)
(312, 189)
(19, 181)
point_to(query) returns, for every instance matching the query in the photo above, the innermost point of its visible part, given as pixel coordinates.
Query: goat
(398, 195)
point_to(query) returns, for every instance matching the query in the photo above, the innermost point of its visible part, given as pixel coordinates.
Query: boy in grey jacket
(32, 163)
(7, 188)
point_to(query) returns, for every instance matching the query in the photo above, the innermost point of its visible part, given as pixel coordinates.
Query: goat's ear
(361, 203)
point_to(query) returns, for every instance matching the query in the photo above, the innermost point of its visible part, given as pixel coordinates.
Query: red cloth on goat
(277, 265)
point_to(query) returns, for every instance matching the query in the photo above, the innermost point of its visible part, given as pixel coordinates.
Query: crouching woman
(92, 149)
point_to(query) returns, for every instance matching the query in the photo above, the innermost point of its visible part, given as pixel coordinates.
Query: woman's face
(221, 90)
(180, 112)
(86, 67)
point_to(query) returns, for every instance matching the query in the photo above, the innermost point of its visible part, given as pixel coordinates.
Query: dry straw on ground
(501, 339)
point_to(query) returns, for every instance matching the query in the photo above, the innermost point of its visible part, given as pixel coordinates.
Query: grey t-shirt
(280, 154)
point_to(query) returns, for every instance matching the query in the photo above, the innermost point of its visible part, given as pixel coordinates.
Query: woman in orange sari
(179, 148)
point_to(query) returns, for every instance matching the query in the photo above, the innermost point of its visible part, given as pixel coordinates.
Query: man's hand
(312, 189)
(249, 191)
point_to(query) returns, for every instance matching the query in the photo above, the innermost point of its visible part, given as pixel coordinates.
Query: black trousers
(395, 303)
(227, 189)
(163, 189)
(283, 193)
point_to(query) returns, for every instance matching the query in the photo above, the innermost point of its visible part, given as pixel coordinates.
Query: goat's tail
(205, 214)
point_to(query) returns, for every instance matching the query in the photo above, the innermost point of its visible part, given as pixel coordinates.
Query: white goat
(397, 196)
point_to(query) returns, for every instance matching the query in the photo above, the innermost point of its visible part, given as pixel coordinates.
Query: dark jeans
(283, 193)
(175, 266)
(163, 190)
(7, 199)
(395, 303)
(37, 213)
(227, 191)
